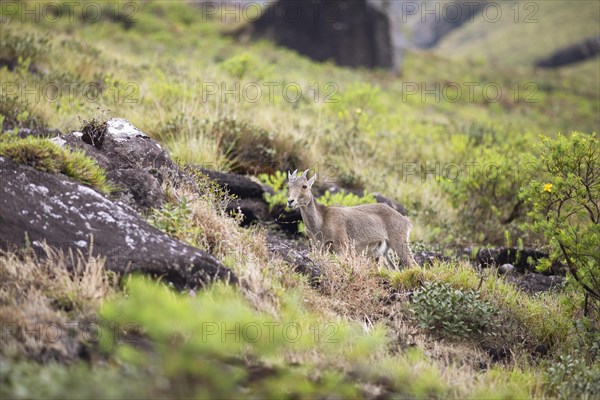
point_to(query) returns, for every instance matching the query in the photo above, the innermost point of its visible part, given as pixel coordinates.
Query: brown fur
(374, 228)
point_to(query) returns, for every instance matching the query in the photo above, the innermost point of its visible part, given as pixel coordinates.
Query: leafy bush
(453, 313)
(44, 155)
(571, 378)
(277, 183)
(21, 49)
(344, 199)
(17, 113)
(563, 192)
(242, 65)
(486, 194)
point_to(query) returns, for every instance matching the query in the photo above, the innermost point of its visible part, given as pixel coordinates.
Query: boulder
(571, 54)
(38, 207)
(351, 33)
(136, 164)
(249, 195)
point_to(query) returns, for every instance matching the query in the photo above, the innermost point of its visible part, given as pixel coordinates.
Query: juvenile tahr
(374, 228)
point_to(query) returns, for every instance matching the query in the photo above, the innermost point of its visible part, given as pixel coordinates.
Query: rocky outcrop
(248, 195)
(37, 207)
(134, 163)
(351, 33)
(572, 54)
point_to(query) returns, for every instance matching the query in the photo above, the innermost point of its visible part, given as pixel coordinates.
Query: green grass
(44, 155)
(525, 31)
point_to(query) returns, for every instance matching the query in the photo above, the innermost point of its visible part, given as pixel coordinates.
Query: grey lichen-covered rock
(136, 164)
(37, 206)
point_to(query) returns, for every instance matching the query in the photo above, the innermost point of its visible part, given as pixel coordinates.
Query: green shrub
(486, 194)
(344, 199)
(44, 155)
(17, 113)
(571, 378)
(171, 218)
(243, 65)
(453, 313)
(277, 183)
(23, 49)
(563, 191)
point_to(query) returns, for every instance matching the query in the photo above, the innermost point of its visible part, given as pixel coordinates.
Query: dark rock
(135, 164)
(37, 206)
(524, 260)
(296, 255)
(351, 33)
(541, 349)
(574, 53)
(238, 185)
(253, 210)
(250, 195)
(536, 283)
(498, 353)
(142, 187)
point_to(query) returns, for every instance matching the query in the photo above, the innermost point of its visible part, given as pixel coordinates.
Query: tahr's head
(299, 194)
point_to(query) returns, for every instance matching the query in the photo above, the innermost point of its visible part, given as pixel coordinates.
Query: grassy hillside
(519, 33)
(449, 139)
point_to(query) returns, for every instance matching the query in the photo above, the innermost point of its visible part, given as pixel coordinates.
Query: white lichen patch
(43, 190)
(77, 133)
(58, 141)
(130, 242)
(122, 130)
(81, 243)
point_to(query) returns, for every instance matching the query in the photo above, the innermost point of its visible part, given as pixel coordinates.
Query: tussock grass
(44, 155)
(51, 292)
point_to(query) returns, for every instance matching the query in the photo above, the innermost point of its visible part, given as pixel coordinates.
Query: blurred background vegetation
(457, 162)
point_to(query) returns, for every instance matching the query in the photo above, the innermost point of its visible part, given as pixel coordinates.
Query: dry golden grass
(41, 297)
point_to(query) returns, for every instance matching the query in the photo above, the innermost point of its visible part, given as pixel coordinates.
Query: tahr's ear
(305, 174)
(289, 175)
(312, 180)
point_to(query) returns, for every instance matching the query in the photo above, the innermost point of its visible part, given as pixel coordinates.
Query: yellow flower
(548, 187)
(358, 111)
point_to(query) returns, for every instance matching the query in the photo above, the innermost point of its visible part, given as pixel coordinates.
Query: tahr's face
(299, 193)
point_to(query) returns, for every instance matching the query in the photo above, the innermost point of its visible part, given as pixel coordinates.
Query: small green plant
(277, 183)
(453, 313)
(44, 155)
(243, 65)
(345, 199)
(171, 218)
(571, 378)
